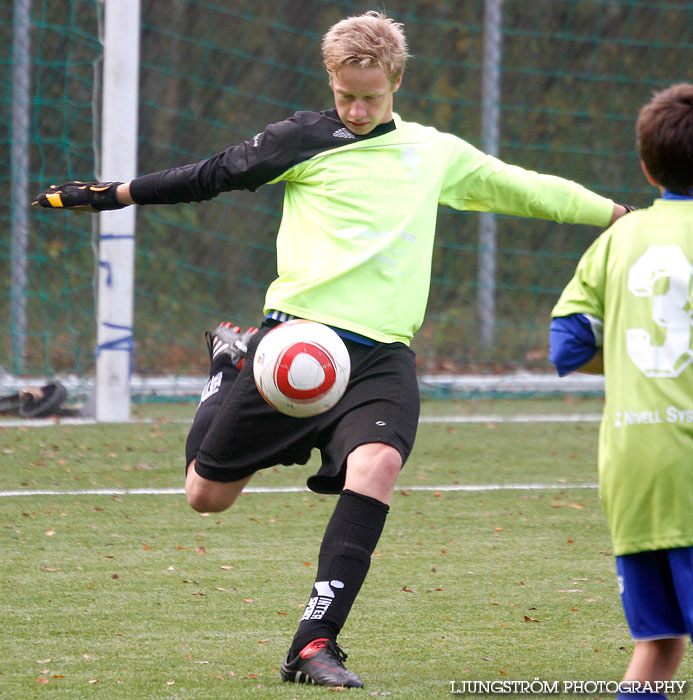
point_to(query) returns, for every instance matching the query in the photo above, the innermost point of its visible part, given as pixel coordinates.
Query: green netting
(574, 73)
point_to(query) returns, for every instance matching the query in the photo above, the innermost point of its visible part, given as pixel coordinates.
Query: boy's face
(363, 97)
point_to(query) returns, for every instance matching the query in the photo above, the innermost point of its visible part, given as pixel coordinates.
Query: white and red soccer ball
(301, 368)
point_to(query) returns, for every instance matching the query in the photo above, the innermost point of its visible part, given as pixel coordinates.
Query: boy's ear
(398, 82)
(649, 177)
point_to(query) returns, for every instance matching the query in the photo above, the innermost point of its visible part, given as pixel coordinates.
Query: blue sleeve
(573, 340)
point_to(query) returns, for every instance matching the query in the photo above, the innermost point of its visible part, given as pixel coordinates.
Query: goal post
(116, 240)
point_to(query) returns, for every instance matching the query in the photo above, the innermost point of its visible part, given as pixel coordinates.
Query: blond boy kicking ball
(354, 251)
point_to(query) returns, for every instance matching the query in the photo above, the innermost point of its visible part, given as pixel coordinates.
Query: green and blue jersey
(637, 280)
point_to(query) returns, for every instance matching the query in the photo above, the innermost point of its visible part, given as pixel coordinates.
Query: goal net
(573, 74)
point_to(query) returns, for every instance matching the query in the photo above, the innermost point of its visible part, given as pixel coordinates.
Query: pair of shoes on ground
(320, 663)
(35, 401)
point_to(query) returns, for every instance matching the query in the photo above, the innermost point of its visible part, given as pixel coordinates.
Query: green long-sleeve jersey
(355, 244)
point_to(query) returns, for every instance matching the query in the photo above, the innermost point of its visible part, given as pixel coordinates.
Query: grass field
(137, 596)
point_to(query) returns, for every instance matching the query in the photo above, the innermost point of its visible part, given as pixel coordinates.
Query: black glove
(85, 196)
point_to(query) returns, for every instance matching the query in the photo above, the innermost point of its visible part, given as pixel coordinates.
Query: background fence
(573, 74)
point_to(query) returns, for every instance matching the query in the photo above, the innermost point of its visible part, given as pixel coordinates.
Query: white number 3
(672, 311)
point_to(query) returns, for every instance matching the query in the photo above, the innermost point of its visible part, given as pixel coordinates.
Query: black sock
(345, 556)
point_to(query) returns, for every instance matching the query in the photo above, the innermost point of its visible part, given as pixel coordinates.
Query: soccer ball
(301, 368)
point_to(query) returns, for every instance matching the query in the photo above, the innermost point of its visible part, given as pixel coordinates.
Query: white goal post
(116, 243)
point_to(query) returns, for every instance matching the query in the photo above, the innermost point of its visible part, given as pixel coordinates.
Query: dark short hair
(665, 137)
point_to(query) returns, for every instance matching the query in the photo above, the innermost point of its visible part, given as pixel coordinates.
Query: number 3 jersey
(637, 277)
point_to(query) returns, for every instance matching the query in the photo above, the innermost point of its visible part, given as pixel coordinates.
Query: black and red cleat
(321, 663)
(229, 341)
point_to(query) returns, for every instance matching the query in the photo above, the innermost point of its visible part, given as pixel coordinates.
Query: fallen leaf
(530, 619)
(226, 567)
(200, 550)
(50, 532)
(145, 546)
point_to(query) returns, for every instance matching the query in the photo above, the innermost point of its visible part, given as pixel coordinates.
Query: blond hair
(367, 40)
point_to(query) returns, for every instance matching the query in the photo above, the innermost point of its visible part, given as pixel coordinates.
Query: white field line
(483, 418)
(490, 418)
(291, 489)
(519, 418)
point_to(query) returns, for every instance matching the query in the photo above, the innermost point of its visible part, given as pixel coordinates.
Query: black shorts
(235, 432)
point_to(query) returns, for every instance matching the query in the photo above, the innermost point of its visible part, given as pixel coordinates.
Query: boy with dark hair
(628, 313)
